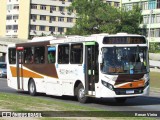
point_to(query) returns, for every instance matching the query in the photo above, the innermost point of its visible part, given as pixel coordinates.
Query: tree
(130, 20)
(95, 16)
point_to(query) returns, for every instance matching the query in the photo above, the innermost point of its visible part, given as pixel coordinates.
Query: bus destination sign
(124, 40)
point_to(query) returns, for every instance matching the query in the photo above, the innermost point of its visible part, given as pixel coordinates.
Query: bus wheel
(120, 100)
(80, 92)
(32, 88)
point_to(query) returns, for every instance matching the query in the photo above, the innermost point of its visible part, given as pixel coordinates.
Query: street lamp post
(149, 28)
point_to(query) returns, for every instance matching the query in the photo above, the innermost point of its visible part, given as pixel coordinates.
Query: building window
(60, 29)
(42, 28)
(157, 32)
(43, 7)
(128, 6)
(152, 5)
(15, 17)
(152, 33)
(33, 27)
(116, 4)
(53, 8)
(34, 6)
(158, 18)
(145, 19)
(158, 3)
(8, 27)
(109, 3)
(51, 28)
(16, 7)
(61, 9)
(15, 27)
(153, 18)
(52, 18)
(34, 17)
(69, 19)
(9, 7)
(144, 5)
(9, 17)
(144, 32)
(61, 19)
(42, 17)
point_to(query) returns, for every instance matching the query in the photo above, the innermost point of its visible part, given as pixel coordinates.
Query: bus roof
(39, 39)
(73, 39)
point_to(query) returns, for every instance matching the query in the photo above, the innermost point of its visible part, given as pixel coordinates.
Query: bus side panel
(53, 86)
(68, 75)
(11, 81)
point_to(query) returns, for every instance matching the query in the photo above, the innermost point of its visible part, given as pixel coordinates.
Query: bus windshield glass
(3, 65)
(124, 60)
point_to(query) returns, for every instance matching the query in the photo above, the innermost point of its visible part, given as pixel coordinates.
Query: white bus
(100, 66)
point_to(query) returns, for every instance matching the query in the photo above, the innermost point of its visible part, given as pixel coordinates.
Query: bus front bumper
(115, 93)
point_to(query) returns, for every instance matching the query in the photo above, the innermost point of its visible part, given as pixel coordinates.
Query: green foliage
(154, 47)
(95, 16)
(130, 20)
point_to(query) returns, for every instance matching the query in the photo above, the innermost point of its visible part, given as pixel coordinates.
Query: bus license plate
(129, 91)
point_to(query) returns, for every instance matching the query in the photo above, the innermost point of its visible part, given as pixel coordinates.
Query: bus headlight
(146, 84)
(108, 85)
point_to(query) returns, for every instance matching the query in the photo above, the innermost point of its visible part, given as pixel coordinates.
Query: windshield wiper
(136, 57)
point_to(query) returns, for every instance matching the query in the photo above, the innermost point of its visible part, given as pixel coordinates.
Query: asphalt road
(145, 103)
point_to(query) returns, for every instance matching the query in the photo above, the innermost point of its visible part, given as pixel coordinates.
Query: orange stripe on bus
(135, 84)
(24, 73)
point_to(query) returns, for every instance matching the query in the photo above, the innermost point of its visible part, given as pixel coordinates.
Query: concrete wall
(154, 56)
(3, 9)
(24, 18)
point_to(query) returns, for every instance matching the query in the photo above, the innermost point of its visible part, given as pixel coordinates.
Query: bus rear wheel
(80, 92)
(32, 88)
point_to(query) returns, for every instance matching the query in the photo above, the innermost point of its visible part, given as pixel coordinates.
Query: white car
(3, 69)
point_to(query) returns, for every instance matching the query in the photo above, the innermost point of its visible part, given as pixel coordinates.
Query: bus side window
(28, 55)
(12, 56)
(76, 53)
(39, 54)
(51, 54)
(63, 54)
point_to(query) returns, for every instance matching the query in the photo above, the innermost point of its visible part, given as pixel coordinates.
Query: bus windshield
(124, 60)
(3, 65)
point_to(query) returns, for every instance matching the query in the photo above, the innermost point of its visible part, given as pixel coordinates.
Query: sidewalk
(154, 70)
(156, 90)
(154, 64)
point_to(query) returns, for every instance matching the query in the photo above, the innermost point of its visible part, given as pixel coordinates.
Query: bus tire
(32, 88)
(80, 93)
(120, 100)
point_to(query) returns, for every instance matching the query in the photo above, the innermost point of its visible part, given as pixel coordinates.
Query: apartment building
(27, 18)
(151, 17)
(114, 3)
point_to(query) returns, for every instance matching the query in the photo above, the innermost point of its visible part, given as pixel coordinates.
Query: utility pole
(149, 28)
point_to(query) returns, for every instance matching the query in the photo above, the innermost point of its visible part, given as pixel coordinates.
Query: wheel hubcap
(31, 88)
(81, 93)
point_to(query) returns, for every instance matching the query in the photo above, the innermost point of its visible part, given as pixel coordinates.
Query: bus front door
(91, 63)
(20, 69)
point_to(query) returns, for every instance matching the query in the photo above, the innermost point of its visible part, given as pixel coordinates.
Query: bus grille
(122, 91)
